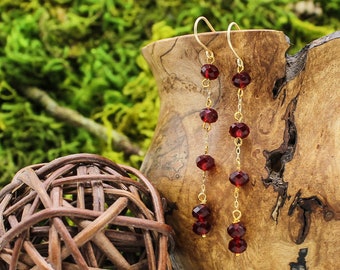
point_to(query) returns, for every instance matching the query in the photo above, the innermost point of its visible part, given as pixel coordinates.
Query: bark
(291, 207)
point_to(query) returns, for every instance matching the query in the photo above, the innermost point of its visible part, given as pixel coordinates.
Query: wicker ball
(82, 212)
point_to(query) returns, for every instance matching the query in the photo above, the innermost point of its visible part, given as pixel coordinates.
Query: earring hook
(208, 52)
(239, 60)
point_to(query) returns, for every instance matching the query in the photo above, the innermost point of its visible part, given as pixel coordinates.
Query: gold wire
(238, 142)
(202, 197)
(240, 93)
(205, 83)
(240, 66)
(236, 193)
(238, 115)
(210, 57)
(236, 212)
(207, 51)
(239, 61)
(203, 187)
(208, 103)
(206, 126)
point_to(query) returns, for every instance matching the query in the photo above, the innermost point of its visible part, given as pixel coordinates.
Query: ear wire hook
(239, 61)
(209, 53)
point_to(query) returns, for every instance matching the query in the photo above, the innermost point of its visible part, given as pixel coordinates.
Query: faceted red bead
(239, 178)
(236, 230)
(201, 227)
(208, 115)
(239, 130)
(201, 212)
(205, 162)
(237, 245)
(209, 71)
(241, 80)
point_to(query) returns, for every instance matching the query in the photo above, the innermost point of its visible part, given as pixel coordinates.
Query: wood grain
(292, 202)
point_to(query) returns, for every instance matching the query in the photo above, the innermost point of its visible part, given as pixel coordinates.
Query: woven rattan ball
(82, 212)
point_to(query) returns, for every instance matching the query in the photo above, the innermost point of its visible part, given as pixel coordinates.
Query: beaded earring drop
(208, 115)
(239, 131)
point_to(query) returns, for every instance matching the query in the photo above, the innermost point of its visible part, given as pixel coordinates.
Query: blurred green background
(86, 56)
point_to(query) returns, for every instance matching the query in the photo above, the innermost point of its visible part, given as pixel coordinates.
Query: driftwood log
(291, 207)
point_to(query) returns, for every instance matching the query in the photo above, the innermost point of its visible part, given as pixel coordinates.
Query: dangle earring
(208, 115)
(239, 131)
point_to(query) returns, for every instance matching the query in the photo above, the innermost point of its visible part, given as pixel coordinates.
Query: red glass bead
(239, 130)
(241, 80)
(201, 212)
(205, 162)
(237, 245)
(239, 178)
(209, 71)
(201, 227)
(236, 230)
(208, 115)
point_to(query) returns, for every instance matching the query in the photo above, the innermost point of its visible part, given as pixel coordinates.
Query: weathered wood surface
(292, 205)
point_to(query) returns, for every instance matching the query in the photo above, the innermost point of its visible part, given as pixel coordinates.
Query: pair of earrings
(238, 131)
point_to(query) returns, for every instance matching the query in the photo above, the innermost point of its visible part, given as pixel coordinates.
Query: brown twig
(119, 141)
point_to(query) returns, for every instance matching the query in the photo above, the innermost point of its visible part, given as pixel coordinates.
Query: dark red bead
(241, 80)
(209, 71)
(208, 115)
(237, 245)
(201, 227)
(239, 178)
(205, 162)
(201, 212)
(236, 230)
(239, 130)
